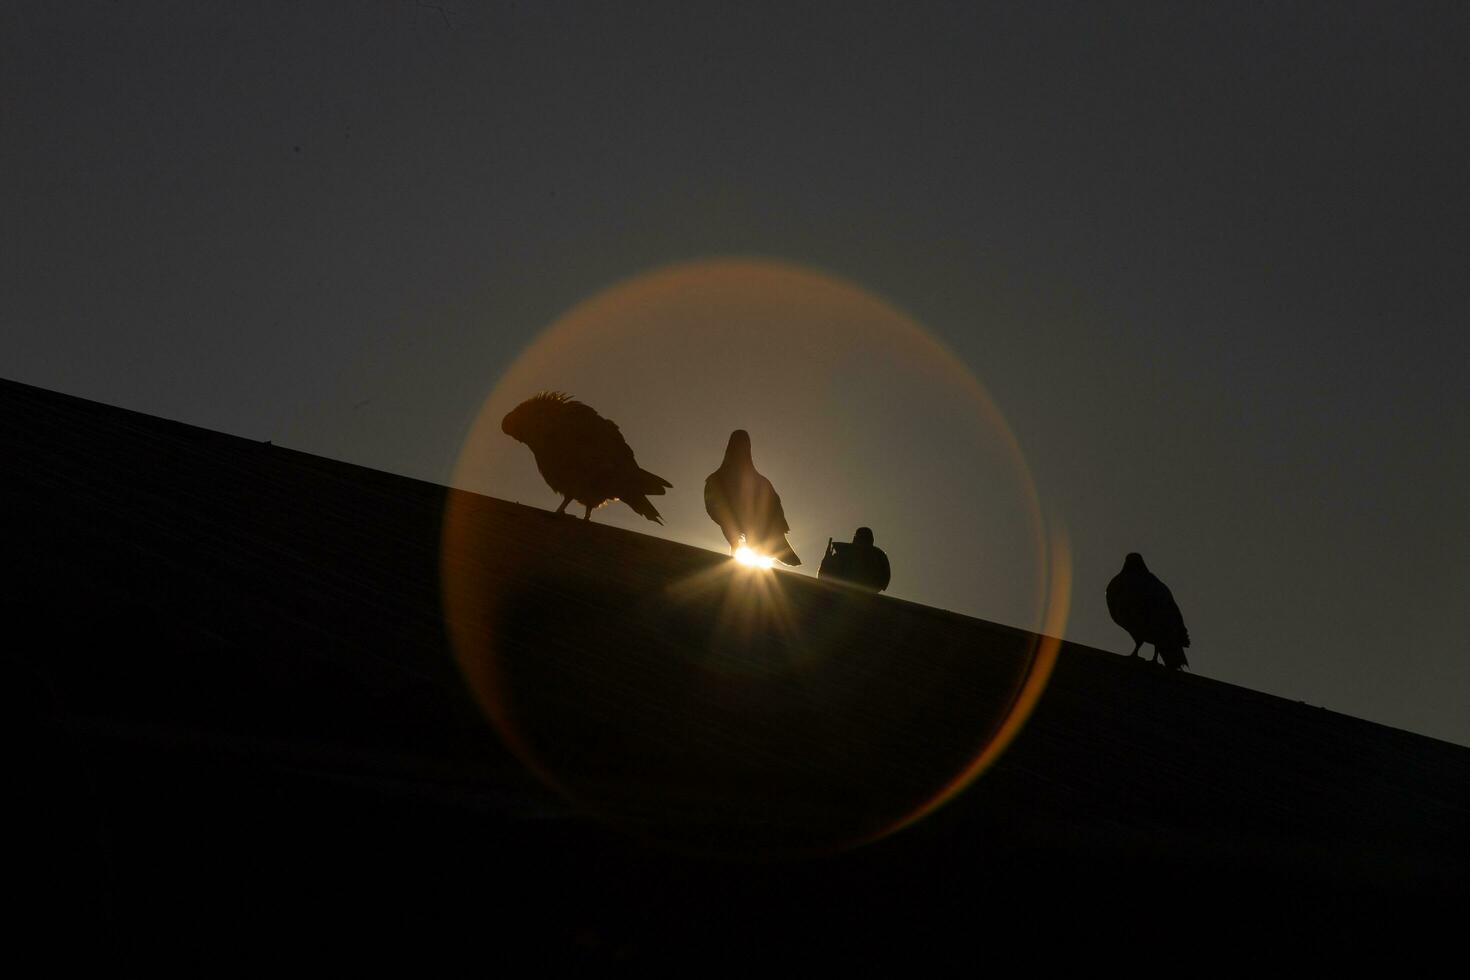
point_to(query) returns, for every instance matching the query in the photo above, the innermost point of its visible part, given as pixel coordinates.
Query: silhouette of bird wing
(1165, 619)
(884, 572)
(716, 500)
(770, 520)
(717, 504)
(1115, 599)
(769, 505)
(602, 447)
(604, 455)
(1130, 605)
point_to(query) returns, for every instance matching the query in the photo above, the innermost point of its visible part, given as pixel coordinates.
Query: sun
(751, 559)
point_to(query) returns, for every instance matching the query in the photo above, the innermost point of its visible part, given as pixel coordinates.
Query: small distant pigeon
(582, 455)
(744, 503)
(860, 563)
(1145, 607)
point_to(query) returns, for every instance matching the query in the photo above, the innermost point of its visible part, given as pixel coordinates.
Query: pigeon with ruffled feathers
(582, 455)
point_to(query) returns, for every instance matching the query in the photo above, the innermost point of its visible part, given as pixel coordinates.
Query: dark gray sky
(1211, 263)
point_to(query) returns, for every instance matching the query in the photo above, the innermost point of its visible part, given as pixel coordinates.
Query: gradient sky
(1211, 263)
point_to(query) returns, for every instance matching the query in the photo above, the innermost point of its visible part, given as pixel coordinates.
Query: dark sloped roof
(234, 699)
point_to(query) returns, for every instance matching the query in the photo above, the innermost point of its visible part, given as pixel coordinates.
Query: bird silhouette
(745, 504)
(859, 563)
(582, 455)
(1145, 607)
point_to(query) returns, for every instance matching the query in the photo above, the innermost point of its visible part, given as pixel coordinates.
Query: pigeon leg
(564, 501)
(1156, 656)
(587, 516)
(1135, 648)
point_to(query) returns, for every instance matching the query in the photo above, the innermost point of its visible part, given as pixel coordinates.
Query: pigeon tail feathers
(642, 507)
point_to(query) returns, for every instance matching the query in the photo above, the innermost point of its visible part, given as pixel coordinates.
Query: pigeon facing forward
(745, 504)
(1145, 607)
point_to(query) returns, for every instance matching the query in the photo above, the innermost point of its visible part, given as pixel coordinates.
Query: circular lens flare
(662, 687)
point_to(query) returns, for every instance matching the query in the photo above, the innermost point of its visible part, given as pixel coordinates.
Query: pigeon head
(738, 448)
(531, 418)
(863, 537)
(1134, 562)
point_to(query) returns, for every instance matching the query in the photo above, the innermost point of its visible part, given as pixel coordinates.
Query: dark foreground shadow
(752, 713)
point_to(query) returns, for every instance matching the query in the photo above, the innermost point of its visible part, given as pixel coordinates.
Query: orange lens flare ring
(1043, 660)
(747, 288)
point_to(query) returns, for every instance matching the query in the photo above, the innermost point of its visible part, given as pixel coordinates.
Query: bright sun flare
(747, 557)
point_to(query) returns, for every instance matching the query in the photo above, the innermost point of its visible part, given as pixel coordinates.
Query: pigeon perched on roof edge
(1145, 607)
(582, 455)
(744, 503)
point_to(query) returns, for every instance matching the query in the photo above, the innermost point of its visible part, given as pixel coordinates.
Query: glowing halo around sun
(859, 417)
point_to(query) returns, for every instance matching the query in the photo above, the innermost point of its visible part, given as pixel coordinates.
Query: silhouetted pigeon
(858, 563)
(744, 503)
(1145, 607)
(582, 455)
